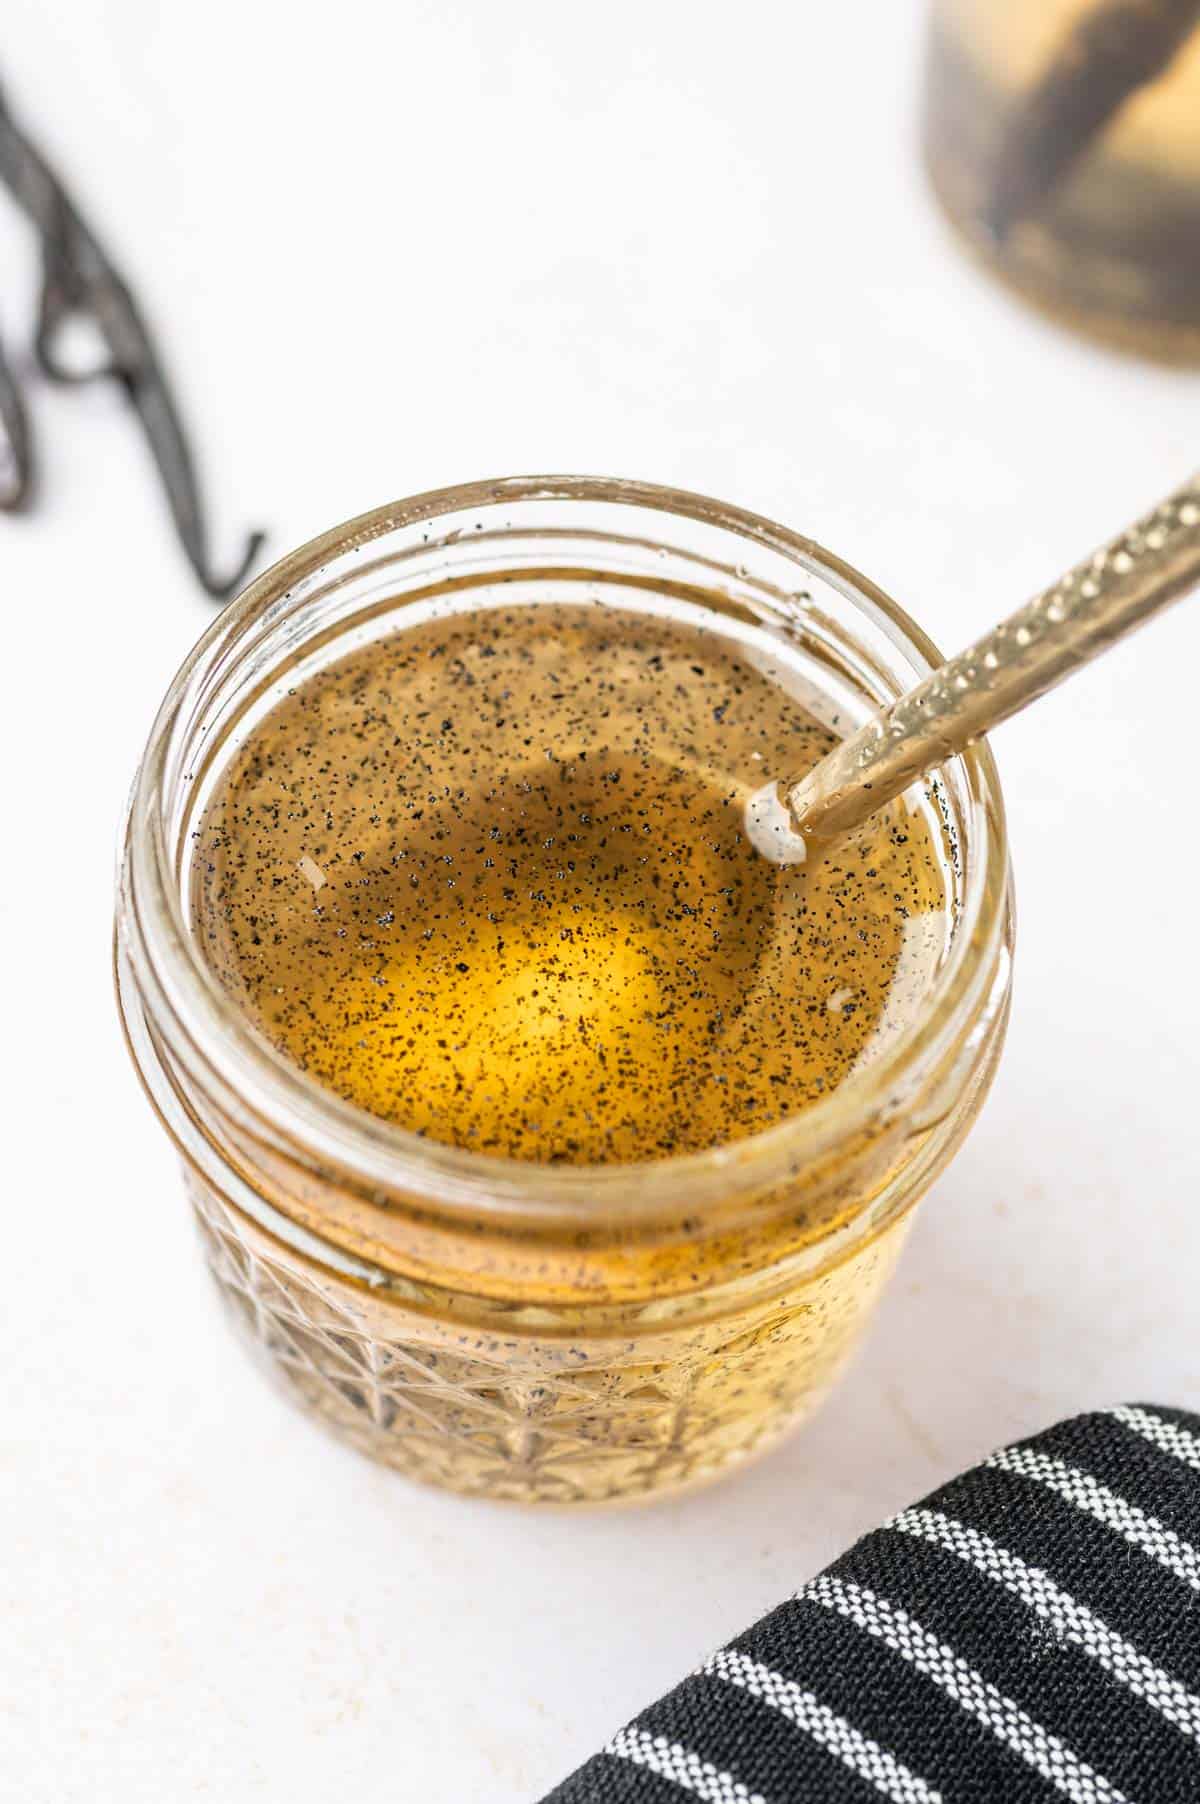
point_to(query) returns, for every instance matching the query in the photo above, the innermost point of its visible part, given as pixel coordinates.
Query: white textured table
(390, 248)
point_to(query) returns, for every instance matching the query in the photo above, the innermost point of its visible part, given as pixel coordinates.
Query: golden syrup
(488, 879)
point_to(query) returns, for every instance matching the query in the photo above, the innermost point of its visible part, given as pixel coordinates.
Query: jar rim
(380, 1154)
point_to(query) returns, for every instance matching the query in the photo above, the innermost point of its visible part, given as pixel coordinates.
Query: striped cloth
(1029, 1632)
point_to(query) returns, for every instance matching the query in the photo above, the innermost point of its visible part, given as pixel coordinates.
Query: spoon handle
(1083, 613)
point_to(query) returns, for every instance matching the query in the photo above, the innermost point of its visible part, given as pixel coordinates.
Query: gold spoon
(1082, 614)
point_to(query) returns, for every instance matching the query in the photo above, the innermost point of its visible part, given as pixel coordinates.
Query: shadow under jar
(566, 1333)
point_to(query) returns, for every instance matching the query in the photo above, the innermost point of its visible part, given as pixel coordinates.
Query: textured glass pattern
(557, 1415)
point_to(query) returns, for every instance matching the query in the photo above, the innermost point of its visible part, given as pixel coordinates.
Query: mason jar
(517, 1330)
(1063, 140)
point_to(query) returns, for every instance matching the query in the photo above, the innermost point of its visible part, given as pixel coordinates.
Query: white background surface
(394, 247)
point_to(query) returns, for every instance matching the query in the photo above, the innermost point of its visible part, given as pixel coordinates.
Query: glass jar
(1063, 139)
(515, 1330)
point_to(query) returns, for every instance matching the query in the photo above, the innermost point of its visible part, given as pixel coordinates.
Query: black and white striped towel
(1029, 1632)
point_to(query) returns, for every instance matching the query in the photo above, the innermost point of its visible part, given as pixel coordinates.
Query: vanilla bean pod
(80, 281)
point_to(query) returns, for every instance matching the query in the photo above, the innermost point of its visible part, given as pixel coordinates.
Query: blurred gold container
(1063, 140)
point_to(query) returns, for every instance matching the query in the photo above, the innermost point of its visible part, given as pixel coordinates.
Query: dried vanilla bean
(16, 468)
(79, 281)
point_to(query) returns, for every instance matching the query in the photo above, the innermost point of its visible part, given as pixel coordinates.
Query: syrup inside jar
(488, 878)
